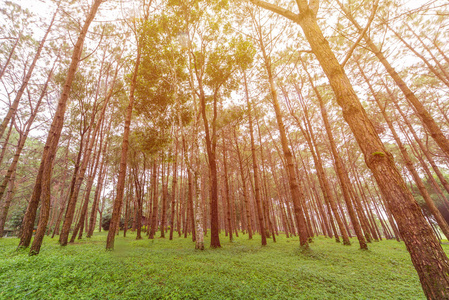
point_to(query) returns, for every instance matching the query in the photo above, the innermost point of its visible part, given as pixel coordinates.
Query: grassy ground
(163, 269)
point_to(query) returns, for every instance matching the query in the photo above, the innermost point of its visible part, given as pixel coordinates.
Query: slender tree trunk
(296, 193)
(199, 240)
(127, 206)
(139, 202)
(5, 142)
(266, 199)
(62, 197)
(173, 190)
(308, 133)
(155, 202)
(82, 216)
(99, 188)
(191, 205)
(89, 184)
(11, 53)
(244, 189)
(164, 178)
(211, 155)
(115, 219)
(6, 204)
(227, 193)
(98, 191)
(71, 205)
(255, 168)
(180, 220)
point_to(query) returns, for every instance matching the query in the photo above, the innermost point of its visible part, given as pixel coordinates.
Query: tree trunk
(6, 204)
(296, 193)
(139, 201)
(155, 202)
(11, 53)
(255, 168)
(244, 189)
(211, 140)
(227, 196)
(5, 142)
(421, 145)
(164, 178)
(86, 159)
(191, 205)
(115, 219)
(173, 190)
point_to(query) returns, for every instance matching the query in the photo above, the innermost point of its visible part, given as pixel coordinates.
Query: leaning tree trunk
(423, 148)
(11, 53)
(6, 204)
(296, 193)
(139, 202)
(93, 170)
(71, 205)
(62, 197)
(115, 219)
(99, 187)
(6, 140)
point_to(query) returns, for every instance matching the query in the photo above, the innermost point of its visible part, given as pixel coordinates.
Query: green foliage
(106, 221)
(163, 269)
(15, 219)
(148, 140)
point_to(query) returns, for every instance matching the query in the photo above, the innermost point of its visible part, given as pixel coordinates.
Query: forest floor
(242, 269)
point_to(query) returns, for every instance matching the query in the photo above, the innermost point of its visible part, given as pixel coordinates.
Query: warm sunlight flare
(224, 149)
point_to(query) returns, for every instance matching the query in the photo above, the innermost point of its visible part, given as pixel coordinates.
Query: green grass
(163, 269)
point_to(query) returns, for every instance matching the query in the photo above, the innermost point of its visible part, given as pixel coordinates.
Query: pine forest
(224, 149)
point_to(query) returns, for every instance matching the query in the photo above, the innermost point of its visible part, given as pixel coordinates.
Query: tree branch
(362, 34)
(276, 9)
